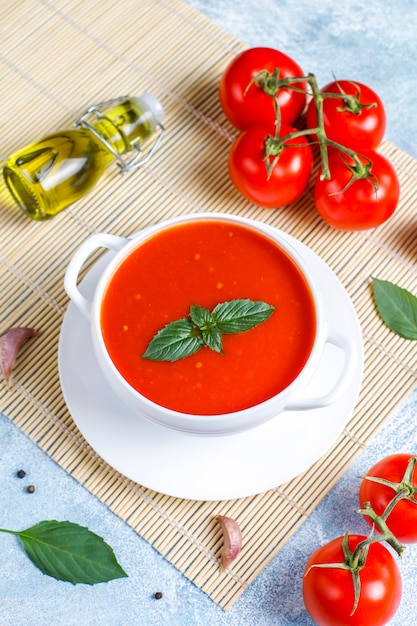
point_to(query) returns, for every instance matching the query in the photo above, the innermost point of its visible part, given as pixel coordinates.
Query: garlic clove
(10, 343)
(232, 540)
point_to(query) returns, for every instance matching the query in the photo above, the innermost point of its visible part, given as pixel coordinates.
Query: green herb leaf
(201, 317)
(213, 339)
(175, 341)
(205, 321)
(185, 336)
(237, 316)
(397, 307)
(69, 552)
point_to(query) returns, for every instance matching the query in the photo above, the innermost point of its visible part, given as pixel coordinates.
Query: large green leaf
(69, 552)
(397, 307)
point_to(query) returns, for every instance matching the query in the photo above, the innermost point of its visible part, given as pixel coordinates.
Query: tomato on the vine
(402, 521)
(329, 595)
(289, 176)
(359, 124)
(363, 203)
(245, 103)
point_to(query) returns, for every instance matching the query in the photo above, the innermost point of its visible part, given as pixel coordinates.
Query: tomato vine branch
(274, 144)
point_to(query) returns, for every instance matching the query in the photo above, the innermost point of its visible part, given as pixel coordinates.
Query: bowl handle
(350, 364)
(90, 245)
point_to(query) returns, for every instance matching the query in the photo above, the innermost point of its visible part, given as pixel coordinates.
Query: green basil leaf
(236, 316)
(201, 317)
(211, 335)
(397, 307)
(173, 342)
(213, 338)
(187, 335)
(69, 552)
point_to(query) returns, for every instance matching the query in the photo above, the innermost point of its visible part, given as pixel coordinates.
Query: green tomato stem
(405, 486)
(351, 103)
(380, 522)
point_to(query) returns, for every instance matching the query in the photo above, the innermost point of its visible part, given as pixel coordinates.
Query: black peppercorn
(21, 473)
(158, 595)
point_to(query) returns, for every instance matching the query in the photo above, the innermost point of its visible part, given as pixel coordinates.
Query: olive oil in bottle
(54, 172)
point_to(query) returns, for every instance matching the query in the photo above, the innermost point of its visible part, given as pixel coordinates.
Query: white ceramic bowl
(291, 398)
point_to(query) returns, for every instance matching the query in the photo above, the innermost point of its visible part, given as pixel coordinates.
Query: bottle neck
(126, 125)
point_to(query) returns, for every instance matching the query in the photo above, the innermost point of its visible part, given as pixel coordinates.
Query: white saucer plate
(208, 467)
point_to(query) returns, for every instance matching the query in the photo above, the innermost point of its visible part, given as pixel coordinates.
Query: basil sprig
(69, 552)
(186, 336)
(397, 308)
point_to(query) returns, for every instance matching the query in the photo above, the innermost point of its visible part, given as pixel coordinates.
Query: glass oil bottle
(50, 174)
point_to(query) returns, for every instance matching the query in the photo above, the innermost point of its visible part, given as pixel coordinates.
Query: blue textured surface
(369, 42)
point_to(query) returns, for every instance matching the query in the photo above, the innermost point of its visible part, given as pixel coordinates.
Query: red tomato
(290, 175)
(402, 521)
(244, 103)
(360, 206)
(363, 130)
(328, 593)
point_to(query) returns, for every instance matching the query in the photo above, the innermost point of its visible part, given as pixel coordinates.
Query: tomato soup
(204, 263)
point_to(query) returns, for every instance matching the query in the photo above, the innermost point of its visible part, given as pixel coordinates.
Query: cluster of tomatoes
(389, 490)
(283, 118)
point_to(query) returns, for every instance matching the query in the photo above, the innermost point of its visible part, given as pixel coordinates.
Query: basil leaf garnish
(205, 321)
(201, 317)
(397, 308)
(237, 316)
(175, 341)
(204, 328)
(213, 339)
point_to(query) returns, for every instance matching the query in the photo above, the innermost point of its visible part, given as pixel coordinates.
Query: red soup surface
(204, 263)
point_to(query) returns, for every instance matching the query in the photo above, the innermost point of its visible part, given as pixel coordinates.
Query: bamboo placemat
(56, 59)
